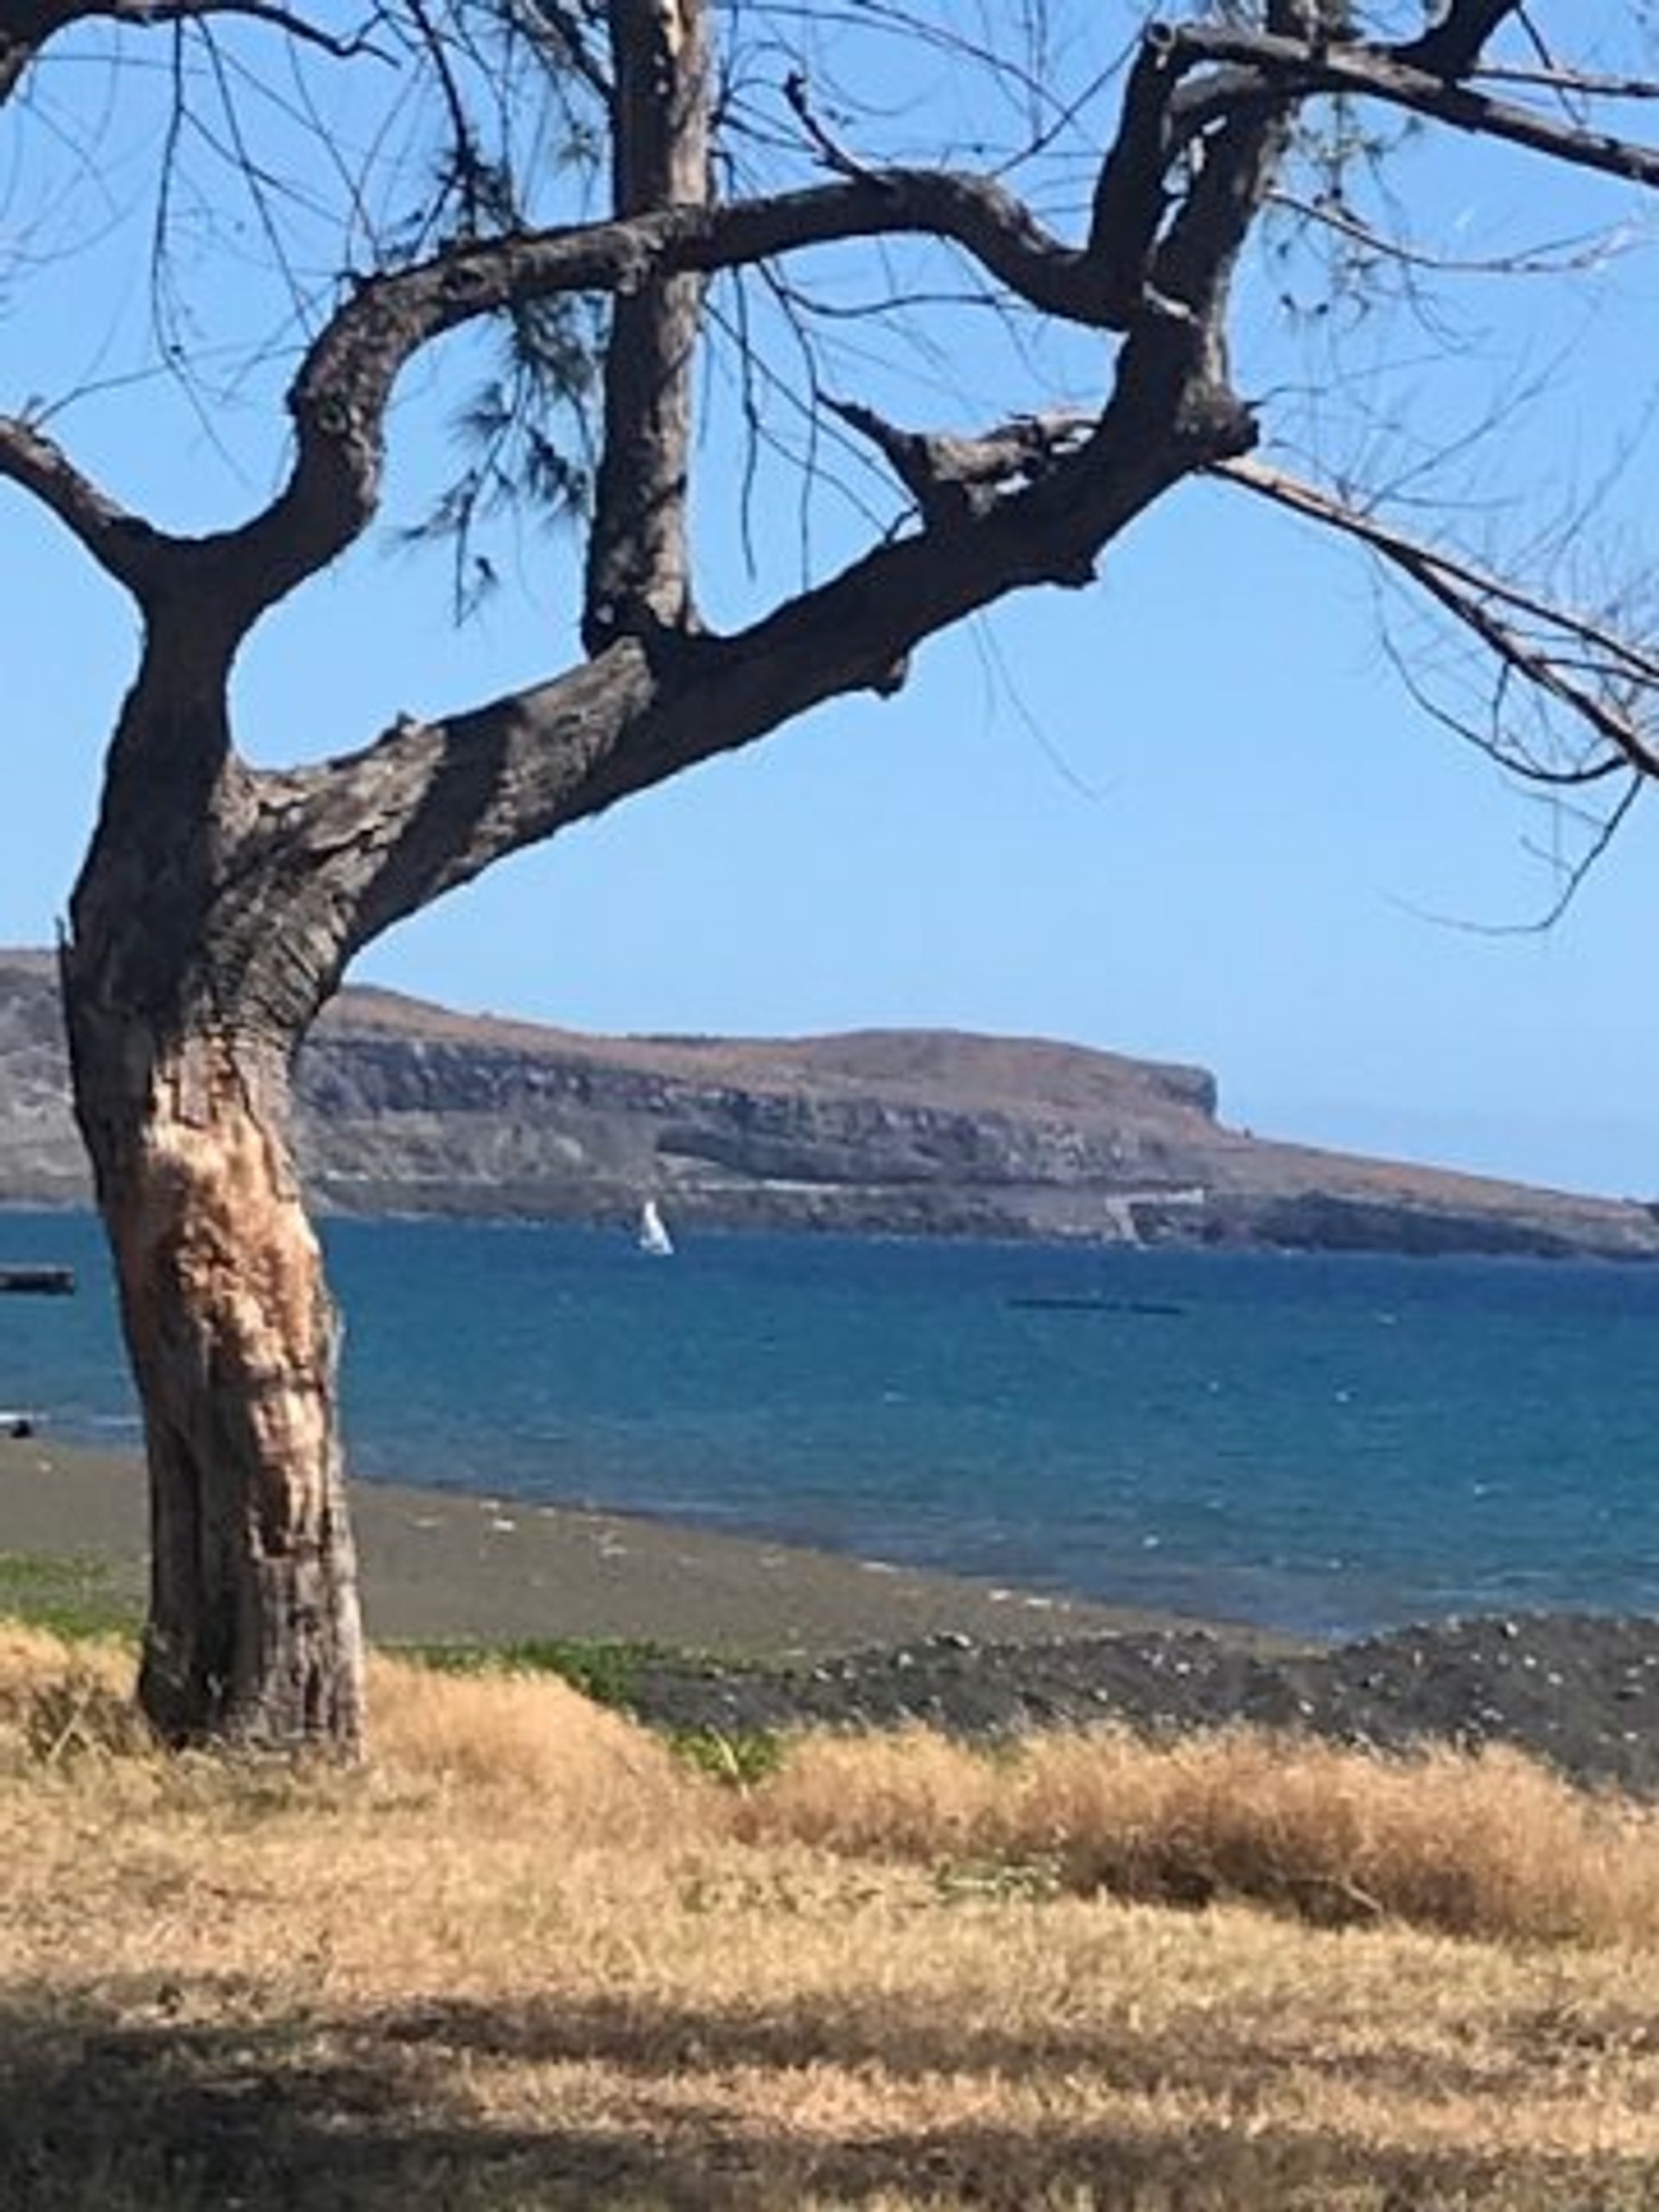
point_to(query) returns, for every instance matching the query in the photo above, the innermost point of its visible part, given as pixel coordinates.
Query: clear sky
(1189, 813)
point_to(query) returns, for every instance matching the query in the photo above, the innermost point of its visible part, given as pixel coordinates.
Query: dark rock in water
(1576, 1690)
(1144, 1306)
(38, 1282)
(408, 1108)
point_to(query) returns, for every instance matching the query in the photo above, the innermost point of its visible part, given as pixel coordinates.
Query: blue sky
(1189, 813)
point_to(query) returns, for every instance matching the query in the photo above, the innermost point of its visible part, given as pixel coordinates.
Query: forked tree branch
(1132, 195)
(427, 808)
(338, 399)
(430, 805)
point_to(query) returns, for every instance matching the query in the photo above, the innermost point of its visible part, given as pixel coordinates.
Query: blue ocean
(1319, 1444)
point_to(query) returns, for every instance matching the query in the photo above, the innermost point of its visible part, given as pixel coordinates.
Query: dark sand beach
(439, 1565)
(777, 1636)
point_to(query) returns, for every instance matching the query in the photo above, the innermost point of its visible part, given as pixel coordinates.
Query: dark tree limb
(123, 544)
(1253, 66)
(1454, 45)
(1194, 265)
(639, 562)
(1130, 197)
(952, 477)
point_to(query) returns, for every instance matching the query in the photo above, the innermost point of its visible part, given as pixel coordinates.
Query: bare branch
(142, 13)
(1566, 256)
(1569, 84)
(1260, 65)
(562, 28)
(952, 477)
(1488, 738)
(123, 544)
(27, 25)
(1571, 876)
(1598, 692)
(835, 157)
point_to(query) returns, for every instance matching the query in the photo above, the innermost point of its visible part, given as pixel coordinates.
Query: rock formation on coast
(410, 1108)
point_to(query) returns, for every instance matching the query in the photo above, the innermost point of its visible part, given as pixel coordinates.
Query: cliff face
(410, 1108)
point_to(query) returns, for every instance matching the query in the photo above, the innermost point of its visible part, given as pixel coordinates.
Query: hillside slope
(411, 1108)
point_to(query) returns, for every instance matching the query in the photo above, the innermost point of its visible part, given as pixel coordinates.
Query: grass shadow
(373, 2115)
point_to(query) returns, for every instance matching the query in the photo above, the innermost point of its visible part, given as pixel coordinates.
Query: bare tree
(220, 905)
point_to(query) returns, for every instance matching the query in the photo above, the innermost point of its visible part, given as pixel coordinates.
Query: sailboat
(652, 1236)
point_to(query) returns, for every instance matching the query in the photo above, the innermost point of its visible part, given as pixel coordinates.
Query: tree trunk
(253, 1635)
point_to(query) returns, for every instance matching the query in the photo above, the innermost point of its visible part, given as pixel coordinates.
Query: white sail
(653, 1237)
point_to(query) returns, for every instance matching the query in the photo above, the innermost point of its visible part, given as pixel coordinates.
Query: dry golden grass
(1489, 1845)
(528, 1961)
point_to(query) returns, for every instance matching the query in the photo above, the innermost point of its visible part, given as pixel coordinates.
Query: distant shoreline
(406, 1108)
(616, 1216)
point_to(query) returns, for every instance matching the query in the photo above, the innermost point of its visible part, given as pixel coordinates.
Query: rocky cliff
(409, 1108)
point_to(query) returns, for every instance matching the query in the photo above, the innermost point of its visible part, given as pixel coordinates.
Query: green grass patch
(740, 1759)
(605, 1669)
(75, 1595)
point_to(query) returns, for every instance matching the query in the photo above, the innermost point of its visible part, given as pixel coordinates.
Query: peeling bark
(254, 1635)
(186, 999)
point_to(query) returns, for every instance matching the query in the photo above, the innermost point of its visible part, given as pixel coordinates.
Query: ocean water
(1320, 1443)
